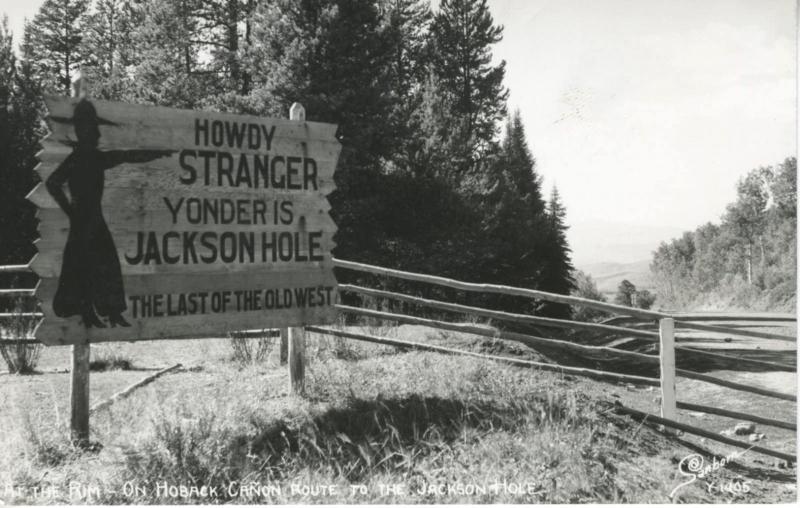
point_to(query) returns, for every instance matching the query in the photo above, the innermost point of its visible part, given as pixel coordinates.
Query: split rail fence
(664, 361)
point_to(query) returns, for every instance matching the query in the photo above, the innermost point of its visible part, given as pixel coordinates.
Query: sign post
(297, 335)
(81, 352)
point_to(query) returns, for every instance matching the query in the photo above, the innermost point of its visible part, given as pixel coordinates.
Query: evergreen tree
(518, 163)
(21, 128)
(8, 64)
(55, 37)
(516, 225)
(170, 70)
(226, 36)
(407, 24)
(109, 46)
(462, 34)
(332, 56)
(557, 274)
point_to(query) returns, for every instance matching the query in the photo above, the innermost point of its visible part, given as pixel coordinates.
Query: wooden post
(81, 353)
(297, 360)
(79, 395)
(666, 332)
(284, 349)
(297, 336)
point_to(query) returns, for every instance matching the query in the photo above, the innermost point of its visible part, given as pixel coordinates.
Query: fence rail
(724, 316)
(550, 322)
(497, 289)
(645, 417)
(496, 314)
(14, 268)
(736, 414)
(592, 352)
(736, 331)
(578, 371)
(550, 297)
(17, 292)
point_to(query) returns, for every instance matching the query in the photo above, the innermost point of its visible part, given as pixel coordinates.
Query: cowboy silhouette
(90, 283)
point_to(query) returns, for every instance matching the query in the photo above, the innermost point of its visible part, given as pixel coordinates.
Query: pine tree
(516, 222)
(332, 56)
(109, 46)
(170, 70)
(406, 32)
(225, 36)
(557, 275)
(518, 162)
(21, 128)
(55, 39)
(462, 33)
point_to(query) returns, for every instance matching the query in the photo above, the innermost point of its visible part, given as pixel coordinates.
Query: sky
(644, 113)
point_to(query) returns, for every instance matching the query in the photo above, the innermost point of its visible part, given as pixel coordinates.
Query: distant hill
(596, 241)
(609, 275)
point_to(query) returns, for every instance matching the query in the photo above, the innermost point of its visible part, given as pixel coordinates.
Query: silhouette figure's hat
(84, 112)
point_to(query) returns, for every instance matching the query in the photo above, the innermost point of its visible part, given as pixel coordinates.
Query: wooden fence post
(79, 394)
(666, 332)
(297, 335)
(297, 360)
(81, 353)
(284, 346)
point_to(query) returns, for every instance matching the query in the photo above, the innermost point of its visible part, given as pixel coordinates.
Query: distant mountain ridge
(616, 242)
(608, 275)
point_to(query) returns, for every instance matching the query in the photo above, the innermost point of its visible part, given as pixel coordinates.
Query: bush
(585, 287)
(248, 350)
(109, 360)
(20, 358)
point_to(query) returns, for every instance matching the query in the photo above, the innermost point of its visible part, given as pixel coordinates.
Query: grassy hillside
(437, 429)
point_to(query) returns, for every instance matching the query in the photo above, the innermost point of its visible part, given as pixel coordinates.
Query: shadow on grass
(391, 432)
(362, 438)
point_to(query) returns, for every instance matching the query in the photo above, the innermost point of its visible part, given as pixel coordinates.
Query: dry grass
(490, 432)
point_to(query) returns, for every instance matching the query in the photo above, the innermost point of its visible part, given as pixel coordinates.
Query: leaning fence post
(297, 335)
(666, 333)
(81, 353)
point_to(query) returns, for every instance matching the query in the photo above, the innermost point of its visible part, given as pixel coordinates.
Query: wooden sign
(161, 223)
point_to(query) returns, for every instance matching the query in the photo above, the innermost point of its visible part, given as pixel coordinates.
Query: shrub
(248, 350)
(585, 287)
(20, 358)
(106, 359)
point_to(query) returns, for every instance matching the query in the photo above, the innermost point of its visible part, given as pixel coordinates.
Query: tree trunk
(749, 263)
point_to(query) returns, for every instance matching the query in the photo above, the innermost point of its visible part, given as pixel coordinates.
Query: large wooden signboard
(160, 223)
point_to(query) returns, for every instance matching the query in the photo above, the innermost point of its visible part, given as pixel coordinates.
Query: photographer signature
(693, 466)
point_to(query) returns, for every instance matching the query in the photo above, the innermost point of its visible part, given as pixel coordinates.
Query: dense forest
(435, 174)
(748, 261)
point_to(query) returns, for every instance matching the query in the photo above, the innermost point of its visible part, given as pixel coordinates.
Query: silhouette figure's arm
(55, 184)
(112, 158)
